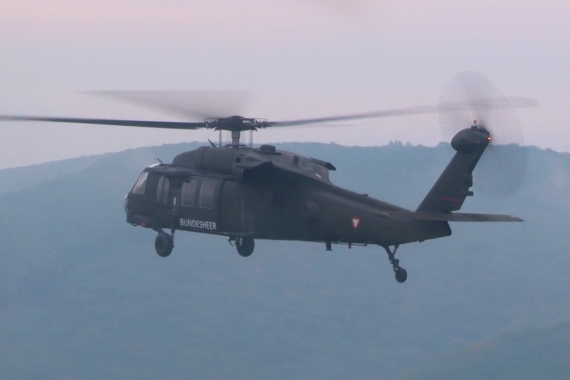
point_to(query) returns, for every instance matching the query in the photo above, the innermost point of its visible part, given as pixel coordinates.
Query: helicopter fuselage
(266, 194)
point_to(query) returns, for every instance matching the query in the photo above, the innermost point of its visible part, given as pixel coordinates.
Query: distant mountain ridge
(15, 179)
(83, 295)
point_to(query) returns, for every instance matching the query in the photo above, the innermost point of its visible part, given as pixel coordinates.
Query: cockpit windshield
(140, 186)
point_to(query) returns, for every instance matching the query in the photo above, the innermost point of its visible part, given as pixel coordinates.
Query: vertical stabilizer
(452, 187)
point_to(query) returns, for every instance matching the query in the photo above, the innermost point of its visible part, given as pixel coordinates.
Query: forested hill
(84, 296)
(533, 353)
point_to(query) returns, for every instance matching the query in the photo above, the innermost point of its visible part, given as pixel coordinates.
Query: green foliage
(84, 296)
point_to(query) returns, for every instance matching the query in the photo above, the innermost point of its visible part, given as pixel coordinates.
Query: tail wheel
(245, 246)
(163, 244)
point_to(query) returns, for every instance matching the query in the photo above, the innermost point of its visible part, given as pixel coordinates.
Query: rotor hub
(236, 123)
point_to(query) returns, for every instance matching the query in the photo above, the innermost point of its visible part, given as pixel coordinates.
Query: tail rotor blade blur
(502, 169)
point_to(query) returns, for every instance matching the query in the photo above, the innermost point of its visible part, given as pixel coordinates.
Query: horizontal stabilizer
(448, 217)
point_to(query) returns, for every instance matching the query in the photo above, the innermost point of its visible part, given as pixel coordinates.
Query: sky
(296, 58)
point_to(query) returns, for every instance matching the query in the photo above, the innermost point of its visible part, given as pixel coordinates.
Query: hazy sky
(301, 58)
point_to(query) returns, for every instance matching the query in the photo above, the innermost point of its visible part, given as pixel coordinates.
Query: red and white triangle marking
(356, 222)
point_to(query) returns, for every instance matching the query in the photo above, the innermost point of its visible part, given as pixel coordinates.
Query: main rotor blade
(483, 103)
(188, 104)
(127, 123)
(228, 123)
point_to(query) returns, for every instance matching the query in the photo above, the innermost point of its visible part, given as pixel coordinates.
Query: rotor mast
(235, 139)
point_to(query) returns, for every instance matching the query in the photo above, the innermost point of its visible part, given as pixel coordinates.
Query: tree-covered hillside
(84, 296)
(533, 353)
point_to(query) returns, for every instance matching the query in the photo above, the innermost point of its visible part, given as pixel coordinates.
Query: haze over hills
(83, 295)
(533, 353)
(15, 179)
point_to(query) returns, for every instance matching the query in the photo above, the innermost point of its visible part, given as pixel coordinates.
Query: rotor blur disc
(502, 169)
(188, 104)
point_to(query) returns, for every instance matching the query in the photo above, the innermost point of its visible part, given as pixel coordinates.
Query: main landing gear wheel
(399, 272)
(163, 244)
(245, 246)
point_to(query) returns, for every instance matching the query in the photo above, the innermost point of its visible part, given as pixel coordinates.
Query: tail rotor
(502, 169)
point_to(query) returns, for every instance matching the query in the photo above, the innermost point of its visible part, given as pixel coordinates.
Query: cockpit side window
(165, 190)
(162, 190)
(140, 186)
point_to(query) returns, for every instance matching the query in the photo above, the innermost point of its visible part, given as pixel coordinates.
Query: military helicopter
(246, 193)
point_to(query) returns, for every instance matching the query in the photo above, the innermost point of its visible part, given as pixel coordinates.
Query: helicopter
(250, 193)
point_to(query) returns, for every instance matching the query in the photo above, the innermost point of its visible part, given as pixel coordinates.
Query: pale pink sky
(284, 21)
(302, 58)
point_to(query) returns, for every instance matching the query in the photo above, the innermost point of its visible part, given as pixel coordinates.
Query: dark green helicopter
(246, 193)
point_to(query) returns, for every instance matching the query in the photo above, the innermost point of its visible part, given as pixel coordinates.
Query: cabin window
(189, 193)
(140, 186)
(207, 194)
(162, 190)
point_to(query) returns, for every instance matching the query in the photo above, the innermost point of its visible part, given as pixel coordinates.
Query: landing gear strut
(399, 272)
